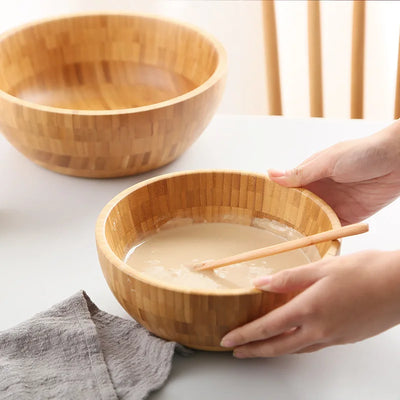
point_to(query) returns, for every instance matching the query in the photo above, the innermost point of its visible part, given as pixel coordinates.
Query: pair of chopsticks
(333, 234)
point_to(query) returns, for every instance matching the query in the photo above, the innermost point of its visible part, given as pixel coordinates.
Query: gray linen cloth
(76, 351)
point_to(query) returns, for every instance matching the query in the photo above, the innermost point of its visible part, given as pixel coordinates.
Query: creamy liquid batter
(167, 255)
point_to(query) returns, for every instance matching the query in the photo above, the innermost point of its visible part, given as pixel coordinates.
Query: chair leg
(314, 59)
(357, 59)
(271, 58)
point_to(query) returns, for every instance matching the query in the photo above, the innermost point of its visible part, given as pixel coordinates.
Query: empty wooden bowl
(107, 95)
(199, 319)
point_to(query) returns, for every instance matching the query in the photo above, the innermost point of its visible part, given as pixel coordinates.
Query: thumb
(291, 280)
(311, 170)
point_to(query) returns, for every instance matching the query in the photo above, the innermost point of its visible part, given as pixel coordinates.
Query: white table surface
(48, 253)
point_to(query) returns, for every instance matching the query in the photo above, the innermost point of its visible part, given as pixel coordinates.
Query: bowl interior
(215, 197)
(104, 62)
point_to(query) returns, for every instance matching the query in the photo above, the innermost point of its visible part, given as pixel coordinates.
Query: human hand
(356, 178)
(345, 299)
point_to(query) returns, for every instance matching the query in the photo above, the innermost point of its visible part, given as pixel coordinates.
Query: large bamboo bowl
(107, 95)
(199, 319)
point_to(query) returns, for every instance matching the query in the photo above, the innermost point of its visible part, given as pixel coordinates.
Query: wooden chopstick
(333, 234)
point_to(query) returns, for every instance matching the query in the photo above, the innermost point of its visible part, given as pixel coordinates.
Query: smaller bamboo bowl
(199, 319)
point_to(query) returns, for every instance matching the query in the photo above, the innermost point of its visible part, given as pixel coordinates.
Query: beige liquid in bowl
(166, 256)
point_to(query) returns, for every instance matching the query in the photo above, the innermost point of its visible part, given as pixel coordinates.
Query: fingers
(293, 279)
(294, 342)
(272, 324)
(281, 331)
(288, 343)
(283, 318)
(278, 332)
(315, 168)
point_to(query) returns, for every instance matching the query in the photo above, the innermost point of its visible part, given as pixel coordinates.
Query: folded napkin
(76, 351)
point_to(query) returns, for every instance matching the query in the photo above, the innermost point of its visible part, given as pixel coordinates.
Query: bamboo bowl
(107, 95)
(199, 319)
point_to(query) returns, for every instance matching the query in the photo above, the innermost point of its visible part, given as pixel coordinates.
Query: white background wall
(238, 25)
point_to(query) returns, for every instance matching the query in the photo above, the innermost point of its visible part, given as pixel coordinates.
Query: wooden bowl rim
(219, 72)
(105, 248)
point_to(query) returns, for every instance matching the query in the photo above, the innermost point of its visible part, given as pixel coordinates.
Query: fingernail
(239, 354)
(227, 342)
(262, 282)
(275, 173)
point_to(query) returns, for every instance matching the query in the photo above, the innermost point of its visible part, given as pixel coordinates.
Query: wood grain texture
(105, 95)
(199, 319)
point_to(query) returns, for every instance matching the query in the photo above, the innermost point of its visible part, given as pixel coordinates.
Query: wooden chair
(314, 58)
